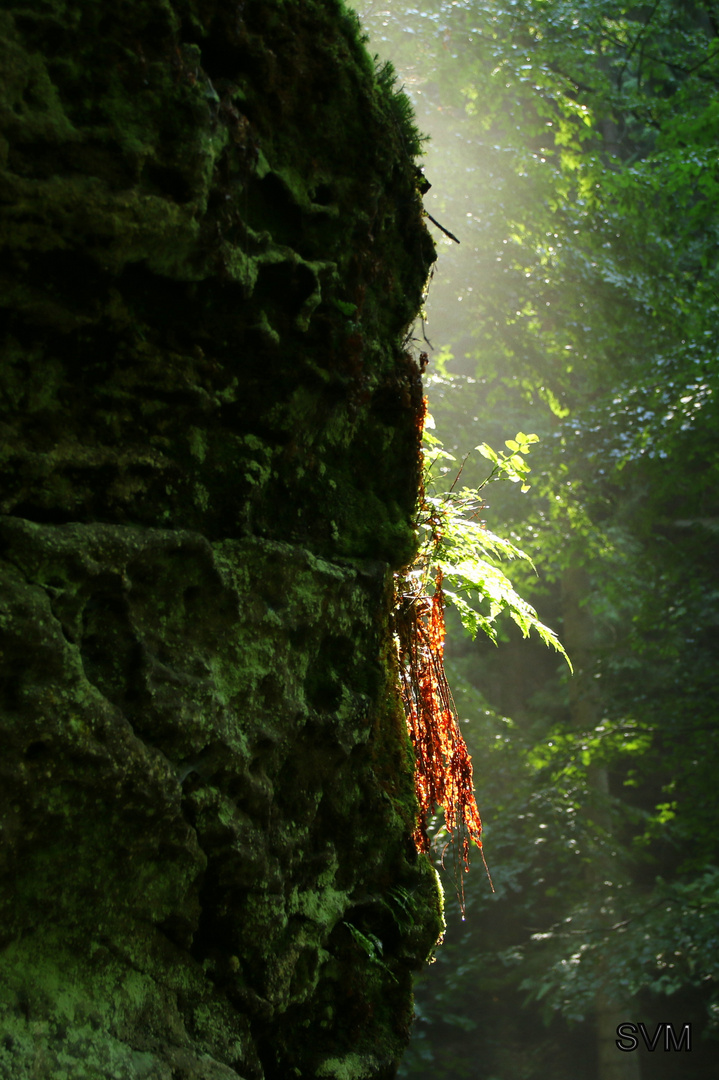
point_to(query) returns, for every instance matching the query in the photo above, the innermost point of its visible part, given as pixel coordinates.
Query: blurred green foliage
(574, 153)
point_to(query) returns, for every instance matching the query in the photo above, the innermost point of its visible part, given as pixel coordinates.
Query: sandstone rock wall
(211, 248)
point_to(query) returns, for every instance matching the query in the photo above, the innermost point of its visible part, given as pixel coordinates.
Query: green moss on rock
(188, 212)
(212, 248)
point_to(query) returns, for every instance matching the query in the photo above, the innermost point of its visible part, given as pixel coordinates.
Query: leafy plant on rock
(455, 548)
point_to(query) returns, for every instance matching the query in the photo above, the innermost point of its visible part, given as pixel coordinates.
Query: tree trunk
(586, 711)
(212, 247)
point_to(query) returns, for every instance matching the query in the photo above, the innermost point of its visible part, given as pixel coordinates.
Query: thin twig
(464, 462)
(445, 231)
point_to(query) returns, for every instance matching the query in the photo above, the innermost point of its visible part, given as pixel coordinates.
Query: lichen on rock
(212, 247)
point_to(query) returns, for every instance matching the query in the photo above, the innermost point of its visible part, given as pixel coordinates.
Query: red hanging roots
(443, 769)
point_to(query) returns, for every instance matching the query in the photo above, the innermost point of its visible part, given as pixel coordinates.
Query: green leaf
(345, 307)
(486, 451)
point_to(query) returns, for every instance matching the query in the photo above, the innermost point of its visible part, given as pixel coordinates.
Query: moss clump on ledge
(212, 248)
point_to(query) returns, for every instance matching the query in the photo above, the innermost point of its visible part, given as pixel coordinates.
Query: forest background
(574, 154)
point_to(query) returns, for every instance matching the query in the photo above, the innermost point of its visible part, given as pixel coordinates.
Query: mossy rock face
(212, 246)
(211, 241)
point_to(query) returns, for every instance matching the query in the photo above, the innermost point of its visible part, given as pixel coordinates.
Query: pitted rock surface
(212, 249)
